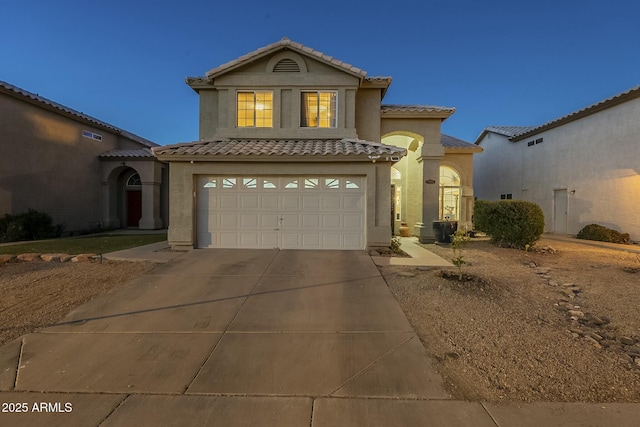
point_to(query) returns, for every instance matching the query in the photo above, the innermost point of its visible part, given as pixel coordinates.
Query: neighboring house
(582, 168)
(83, 172)
(296, 151)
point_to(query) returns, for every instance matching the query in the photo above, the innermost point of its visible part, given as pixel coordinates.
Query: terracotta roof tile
(84, 117)
(254, 147)
(142, 153)
(285, 42)
(388, 108)
(452, 142)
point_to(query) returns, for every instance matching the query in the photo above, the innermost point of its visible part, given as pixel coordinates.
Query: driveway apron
(268, 335)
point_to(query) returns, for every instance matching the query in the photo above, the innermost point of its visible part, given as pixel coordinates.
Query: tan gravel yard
(509, 334)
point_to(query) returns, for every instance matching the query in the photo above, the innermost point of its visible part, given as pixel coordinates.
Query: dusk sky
(496, 62)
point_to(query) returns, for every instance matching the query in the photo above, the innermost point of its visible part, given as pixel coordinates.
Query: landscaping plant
(458, 241)
(603, 234)
(511, 223)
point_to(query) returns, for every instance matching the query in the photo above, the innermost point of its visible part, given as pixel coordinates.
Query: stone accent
(55, 257)
(6, 258)
(29, 257)
(583, 325)
(84, 257)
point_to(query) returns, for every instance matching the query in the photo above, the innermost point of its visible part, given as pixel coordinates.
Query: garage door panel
(325, 212)
(269, 201)
(353, 221)
(290, 202)
(310, 202)
(331, 202)
(249, 220)
(353, 202)
(228, 220)
(331, 220)
(269, 240)
(310, 221)
(249, 201)
(228, 201)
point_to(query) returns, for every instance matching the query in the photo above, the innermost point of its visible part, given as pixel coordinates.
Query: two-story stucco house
(297, 150)
(85, 173)
(581, 168)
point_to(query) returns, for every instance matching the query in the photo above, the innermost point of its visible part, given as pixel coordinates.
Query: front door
(134, 207)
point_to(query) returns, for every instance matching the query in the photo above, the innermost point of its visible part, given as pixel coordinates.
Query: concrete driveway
(237, 338)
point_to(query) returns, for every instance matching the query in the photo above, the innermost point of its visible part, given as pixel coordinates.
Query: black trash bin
(443, 230)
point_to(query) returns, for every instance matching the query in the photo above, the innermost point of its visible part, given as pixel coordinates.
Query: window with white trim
(318, 109)
(254, 109)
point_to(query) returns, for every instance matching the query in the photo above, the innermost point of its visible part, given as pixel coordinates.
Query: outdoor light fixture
(373, 157)
(572, 191)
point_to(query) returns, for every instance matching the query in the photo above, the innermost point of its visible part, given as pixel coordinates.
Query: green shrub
(30, 225)
(603, 234)
(513, 223)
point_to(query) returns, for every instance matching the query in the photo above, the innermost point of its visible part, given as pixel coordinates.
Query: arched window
(450, 192)
(134, 180)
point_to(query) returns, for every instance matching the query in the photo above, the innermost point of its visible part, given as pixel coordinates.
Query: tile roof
(9, 88)
(285, 43)
(591, 109)
(451, 142)
(269, 147)
(388, 108)
(508, 131)
(141, 153)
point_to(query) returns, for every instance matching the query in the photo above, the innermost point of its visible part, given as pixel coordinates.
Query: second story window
(255, 109)
(318, 109)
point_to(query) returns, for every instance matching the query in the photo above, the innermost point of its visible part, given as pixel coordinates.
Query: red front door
(134, 208)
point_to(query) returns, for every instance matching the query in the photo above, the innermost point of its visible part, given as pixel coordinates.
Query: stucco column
(150, 206)
(429, 161)
(109, 206)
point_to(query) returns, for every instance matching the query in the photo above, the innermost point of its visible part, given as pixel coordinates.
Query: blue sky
(497, 62)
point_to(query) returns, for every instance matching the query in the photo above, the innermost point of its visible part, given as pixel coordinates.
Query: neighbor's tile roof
(286, 43)
(388, 108)
(591, 109)
(141, 153)
(254, 147)
(451, 142)
(9, 88)
(508, 131)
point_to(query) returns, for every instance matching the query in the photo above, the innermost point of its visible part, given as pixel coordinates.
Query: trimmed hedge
(513, 223)
(603, 234)
(30, 225)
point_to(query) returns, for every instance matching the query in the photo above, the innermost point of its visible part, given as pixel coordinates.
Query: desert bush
(603, 234)
(30, 225)
(513, 223)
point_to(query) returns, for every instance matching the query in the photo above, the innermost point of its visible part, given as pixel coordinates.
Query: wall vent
(286, 66)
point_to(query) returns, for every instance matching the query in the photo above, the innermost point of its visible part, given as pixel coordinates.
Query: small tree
(458, 242)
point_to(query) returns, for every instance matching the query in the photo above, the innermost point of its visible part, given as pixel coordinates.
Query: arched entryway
(450, 194)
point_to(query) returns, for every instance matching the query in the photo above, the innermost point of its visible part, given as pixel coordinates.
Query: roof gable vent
(286, 65)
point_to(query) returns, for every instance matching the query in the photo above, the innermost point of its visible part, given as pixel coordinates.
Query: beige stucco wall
(498, 169)
(218, 104)
(598, 156)
(48, 165)
(182, 220)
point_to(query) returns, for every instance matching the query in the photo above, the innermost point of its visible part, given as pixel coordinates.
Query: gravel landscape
(559, 324)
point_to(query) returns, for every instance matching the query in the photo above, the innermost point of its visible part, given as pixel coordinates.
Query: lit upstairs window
(255, 109)
(318, 110)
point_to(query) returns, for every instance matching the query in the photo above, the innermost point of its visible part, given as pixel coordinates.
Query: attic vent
(286, 66)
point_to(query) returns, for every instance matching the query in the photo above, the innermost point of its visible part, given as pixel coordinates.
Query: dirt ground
(529, 326)
(38, 294)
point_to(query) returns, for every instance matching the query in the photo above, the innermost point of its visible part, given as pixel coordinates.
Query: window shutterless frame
(254, 109)
(318, 109)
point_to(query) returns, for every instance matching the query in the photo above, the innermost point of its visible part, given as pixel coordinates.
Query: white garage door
(307, 212)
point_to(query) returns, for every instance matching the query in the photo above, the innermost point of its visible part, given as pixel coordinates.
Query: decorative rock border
(53, 257)
(596, 330)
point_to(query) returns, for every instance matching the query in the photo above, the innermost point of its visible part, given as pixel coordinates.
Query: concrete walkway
(249, 337)
(419, 256)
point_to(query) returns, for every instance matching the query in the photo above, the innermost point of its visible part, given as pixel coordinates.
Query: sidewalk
(420, 257)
